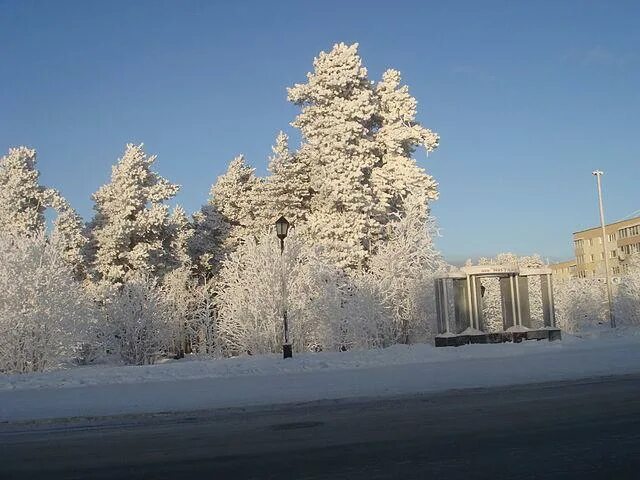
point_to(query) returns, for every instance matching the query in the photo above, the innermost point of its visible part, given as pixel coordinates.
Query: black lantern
(282, 227)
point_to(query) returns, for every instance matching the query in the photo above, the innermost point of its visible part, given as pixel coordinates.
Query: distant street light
(612, 319)
(282, 228)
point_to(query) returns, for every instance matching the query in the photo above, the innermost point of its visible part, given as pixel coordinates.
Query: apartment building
(622, 239)
(564, 270)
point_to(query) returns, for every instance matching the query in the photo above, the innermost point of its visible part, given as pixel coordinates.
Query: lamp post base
(287, 350)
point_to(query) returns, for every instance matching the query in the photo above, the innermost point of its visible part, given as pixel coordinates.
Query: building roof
(609, 224)
(566, 263)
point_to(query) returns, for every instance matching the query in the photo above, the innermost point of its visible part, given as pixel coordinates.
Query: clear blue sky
(528, 97)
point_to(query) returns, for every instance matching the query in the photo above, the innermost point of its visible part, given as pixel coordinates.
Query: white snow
(517, 329)
(471, 331)
(268, 379)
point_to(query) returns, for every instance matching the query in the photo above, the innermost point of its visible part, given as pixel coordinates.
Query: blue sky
(528, 97)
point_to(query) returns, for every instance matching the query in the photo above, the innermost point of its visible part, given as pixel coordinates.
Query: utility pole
(612, 319)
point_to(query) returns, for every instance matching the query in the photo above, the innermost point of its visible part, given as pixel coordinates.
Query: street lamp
(612, 319)
(282, 228)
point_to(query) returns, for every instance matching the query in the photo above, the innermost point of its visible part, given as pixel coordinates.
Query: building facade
(622, 240)
(564, 270)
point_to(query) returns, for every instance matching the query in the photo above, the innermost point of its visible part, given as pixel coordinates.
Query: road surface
(585, 429)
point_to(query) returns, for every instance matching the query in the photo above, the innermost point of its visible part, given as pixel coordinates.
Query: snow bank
(268, 379)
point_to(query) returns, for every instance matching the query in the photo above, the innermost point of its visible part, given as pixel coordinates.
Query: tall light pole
(282, 227)
(612, 318)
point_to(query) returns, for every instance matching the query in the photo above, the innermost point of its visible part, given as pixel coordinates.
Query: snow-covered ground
(263, 380)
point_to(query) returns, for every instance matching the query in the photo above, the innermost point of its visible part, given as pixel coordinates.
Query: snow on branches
(45, 315)
(132, 232)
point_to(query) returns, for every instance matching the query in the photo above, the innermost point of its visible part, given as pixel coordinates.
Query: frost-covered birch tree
(404, 267)
(627, 299)
(251, 295)
(132, 231)
(138, 325)
(580, 303)
(44, 312)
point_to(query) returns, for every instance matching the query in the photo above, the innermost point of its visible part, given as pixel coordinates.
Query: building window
(612, 254)
(612, 237)
(631, 231)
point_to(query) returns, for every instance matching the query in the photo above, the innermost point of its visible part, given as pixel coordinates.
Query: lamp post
(282, 228)
(612, 319)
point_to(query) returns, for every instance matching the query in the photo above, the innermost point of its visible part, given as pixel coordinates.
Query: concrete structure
(622, 240)
(460, 313)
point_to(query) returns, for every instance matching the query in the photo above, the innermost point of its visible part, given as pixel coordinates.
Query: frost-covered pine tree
(23, 202)
(22, 199)
(338, 111)
(68, 227)
(235, 196)
(132, 231)
(180, 231)
(286, 190)
(208, 244)
(397, 175)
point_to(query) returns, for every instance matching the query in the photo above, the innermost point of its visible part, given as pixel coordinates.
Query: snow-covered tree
(397, 176)
(627, 300)
(235, 195)
(44, 312)
(68, 227)
(404, 267)
(369, 320)
(317, 293)
(180, 231)
(250, 298)
(210, 240)
(22, 199)
(203, 320)
(23, 202)
(580, 303)
(177, 292)
(338, 111)
(132, 231)
(286, 190)
(138, 327)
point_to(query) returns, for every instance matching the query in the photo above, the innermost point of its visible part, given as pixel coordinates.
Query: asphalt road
(587, 429)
